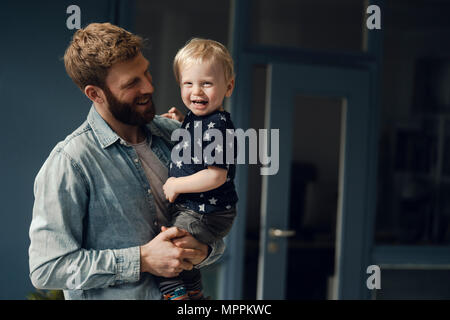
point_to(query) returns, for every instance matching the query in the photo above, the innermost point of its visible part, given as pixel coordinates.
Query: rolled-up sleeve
(56, 257)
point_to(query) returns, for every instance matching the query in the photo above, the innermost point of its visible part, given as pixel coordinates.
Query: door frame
(247, 55)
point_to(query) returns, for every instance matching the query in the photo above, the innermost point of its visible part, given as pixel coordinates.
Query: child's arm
(202, 181)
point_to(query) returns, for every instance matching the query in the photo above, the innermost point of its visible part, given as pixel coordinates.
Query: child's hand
(169, 189)
(174, 114)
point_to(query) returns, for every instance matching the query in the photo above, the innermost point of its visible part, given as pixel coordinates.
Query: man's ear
(95, 94)
(230, 88)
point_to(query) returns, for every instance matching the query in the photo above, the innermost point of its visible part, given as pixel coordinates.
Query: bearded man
(97, 230)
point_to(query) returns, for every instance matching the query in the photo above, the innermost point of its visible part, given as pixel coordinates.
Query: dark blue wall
(39, 106)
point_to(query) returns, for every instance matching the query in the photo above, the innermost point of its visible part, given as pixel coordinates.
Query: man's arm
(56, 258)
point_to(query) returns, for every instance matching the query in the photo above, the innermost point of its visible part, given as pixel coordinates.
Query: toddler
(201, 190)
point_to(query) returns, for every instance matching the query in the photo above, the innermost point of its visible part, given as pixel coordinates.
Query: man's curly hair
(94, 49)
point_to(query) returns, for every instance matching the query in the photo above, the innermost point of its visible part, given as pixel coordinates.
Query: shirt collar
(107, 136)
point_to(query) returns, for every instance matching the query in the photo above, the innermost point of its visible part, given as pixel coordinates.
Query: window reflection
(414, 150)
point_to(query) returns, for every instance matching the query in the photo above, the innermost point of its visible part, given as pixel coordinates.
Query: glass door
(313, 210)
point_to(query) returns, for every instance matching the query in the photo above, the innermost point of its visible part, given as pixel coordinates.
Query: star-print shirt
(206, 141)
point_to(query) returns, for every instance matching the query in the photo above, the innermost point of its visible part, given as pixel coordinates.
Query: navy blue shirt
(210, 142)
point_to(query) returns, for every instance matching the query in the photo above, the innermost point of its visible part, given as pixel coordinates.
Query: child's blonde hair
(199, 50)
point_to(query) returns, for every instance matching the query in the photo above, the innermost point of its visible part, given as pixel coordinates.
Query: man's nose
(148, 87)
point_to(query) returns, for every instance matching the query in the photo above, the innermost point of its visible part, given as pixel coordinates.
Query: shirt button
(136, 160)
(149, 191)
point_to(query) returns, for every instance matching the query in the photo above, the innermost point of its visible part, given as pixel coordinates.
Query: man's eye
(132, 84)
(207, 84)
(187, 84)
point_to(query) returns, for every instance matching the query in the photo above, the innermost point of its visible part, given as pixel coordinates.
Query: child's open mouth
(199, 102)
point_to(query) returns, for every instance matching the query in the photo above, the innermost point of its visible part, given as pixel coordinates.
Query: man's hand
(170, 189)
(162, 258)
(174, 114)
(187, 241)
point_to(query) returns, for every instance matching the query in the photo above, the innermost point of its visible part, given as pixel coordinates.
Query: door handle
(278, 233)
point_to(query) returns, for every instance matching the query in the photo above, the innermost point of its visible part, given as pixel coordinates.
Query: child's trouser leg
(193, 281)
(173, 288)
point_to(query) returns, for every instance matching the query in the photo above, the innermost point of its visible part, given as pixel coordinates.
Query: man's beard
(127, 112)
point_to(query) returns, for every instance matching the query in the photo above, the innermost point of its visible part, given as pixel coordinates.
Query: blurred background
(364, 119)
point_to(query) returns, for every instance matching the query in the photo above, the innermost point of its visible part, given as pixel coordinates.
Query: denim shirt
(93, 209)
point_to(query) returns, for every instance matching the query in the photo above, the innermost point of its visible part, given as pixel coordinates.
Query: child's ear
(230, 88)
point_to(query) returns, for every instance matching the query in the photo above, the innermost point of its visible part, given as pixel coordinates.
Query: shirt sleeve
(56, 258)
